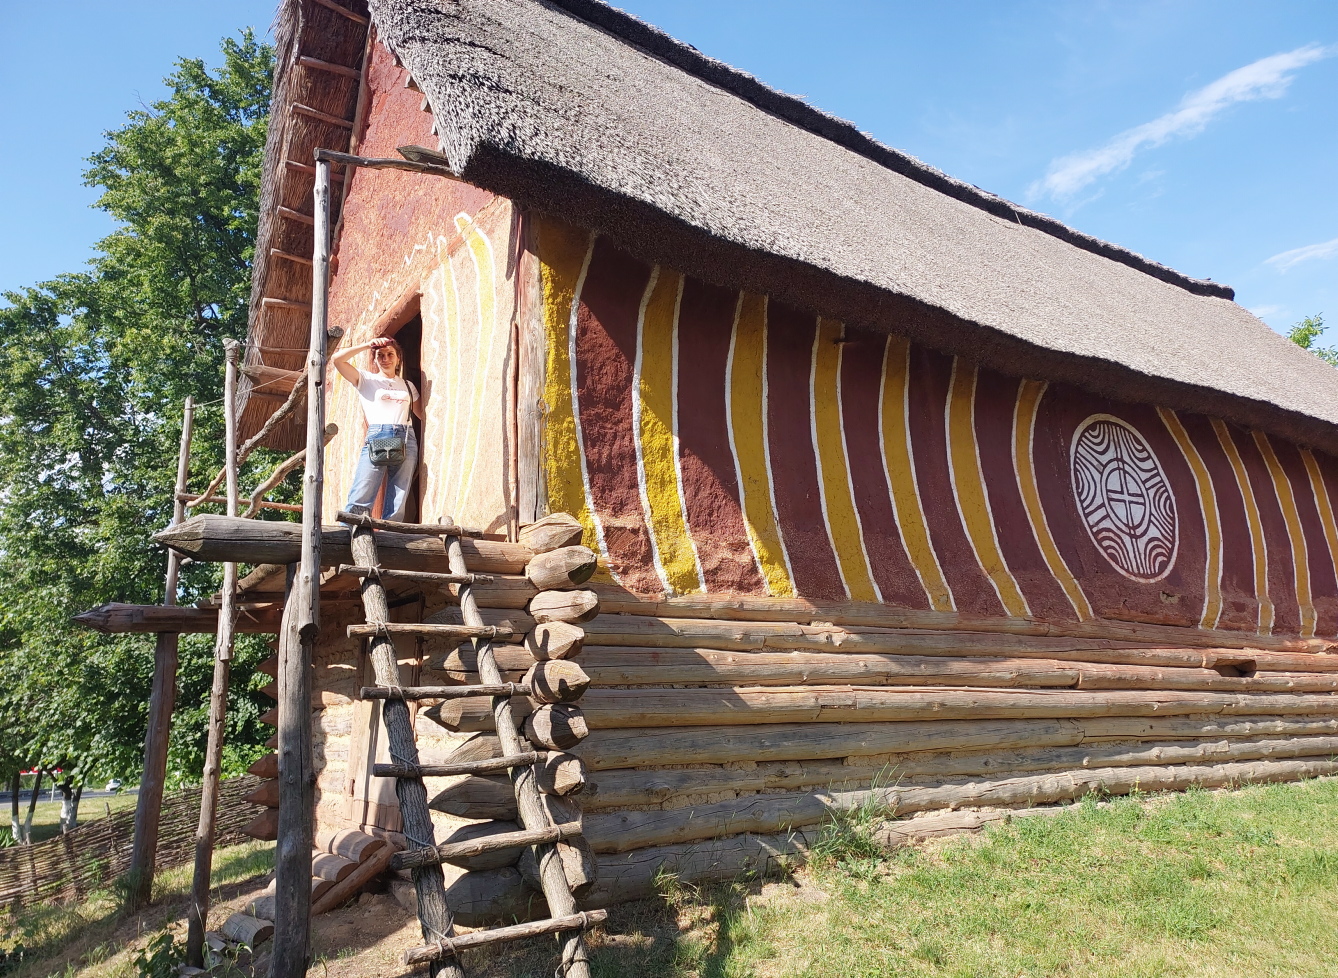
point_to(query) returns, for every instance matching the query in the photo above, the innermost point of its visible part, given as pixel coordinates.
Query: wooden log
(275, 379)
(477, 796)
(561, 569)
(620, 601)
(624, 831)
(484, 860)
(368, 870)
(120, 619)
(628, 788)
(559, 726)
(442, 692)
(162, 701)
(639, 874)
(553, 532)
(270, 666)
(481, 766)
(266, 795)
(556, 681)
(574, 607)
(449, 633)
(328, 866)
(537, 928)
(555, 640)
(421, 577)
(349, 843)
(639, 748)
(482, 898)
(412, 529)
(264, 826)
(215, 538)
(250, 932)
(459, 852)
(561, 774)
(266, 767)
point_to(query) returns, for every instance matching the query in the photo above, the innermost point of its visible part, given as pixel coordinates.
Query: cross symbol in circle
(1126, 497)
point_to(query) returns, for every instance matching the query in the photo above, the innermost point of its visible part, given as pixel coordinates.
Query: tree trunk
(32, 805)
(69, 806)
(15, 786)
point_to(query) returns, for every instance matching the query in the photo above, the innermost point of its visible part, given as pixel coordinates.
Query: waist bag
(386, 452)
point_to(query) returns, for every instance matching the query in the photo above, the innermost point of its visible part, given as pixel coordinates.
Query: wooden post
(198, 914)
(292, 860)
(162, 700)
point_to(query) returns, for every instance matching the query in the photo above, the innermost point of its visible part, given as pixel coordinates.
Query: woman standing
(390, 452)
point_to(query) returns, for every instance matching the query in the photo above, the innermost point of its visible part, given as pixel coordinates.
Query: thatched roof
(574, 108)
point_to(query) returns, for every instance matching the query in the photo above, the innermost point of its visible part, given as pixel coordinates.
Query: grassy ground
(1202, 885)
(46, 816)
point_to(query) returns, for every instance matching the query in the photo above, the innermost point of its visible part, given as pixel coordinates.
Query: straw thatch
(576, 109)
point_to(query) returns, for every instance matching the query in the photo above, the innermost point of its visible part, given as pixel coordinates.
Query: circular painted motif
(1124, 498)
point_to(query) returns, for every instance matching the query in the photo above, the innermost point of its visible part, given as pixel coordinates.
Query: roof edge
(799, 113)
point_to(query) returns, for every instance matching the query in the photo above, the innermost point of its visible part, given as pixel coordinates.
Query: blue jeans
(367, 477)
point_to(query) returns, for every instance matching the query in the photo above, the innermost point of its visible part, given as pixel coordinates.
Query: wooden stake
(198, 915)
(292, 863)
(162, 699)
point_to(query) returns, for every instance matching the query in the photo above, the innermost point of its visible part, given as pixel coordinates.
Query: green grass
(1201, 884)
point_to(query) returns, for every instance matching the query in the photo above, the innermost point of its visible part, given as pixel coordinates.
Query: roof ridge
(799, 113)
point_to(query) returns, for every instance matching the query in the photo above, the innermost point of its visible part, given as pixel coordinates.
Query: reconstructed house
(894, 486)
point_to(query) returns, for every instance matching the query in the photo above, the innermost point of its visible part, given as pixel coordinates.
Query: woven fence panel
(90, 857)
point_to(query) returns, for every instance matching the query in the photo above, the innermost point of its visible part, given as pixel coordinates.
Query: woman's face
(386, 359)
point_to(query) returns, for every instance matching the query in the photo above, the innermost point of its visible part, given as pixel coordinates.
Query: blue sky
(1203, 135)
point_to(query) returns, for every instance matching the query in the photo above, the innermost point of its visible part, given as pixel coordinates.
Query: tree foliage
(94, 367)
(1304, 334)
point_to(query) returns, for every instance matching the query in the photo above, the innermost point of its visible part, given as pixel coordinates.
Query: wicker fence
(90, 857)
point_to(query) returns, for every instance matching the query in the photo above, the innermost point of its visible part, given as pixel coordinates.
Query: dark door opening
(410, 338)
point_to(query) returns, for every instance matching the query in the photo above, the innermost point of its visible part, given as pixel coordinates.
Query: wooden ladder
(442, 946)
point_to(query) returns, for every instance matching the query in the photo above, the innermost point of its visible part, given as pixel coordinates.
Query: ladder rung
(422, 577)
(442, 692)
(484, 938)
(421, 529)
(485, 766)
(448, 632)
(416, 858)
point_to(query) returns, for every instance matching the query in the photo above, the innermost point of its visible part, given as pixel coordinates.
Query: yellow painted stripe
(894, 434)
(834, 483)
(480, 251)
(1029, 394)
(654, 383)
(1322, 502)
(746, 410)
(968, 482)
(564, 255)
(1257, 541)
(1282, 486)
(1212, 519)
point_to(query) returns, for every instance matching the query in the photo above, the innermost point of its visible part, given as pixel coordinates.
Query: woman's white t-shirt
(385, 400)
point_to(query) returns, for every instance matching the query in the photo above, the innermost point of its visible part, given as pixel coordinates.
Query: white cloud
(1285, 260)
(1265, 78)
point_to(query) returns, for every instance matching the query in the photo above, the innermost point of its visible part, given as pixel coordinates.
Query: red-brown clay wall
(717, 443)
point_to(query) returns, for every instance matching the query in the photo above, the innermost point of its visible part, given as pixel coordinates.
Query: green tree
(93, 369)
(1304, 334)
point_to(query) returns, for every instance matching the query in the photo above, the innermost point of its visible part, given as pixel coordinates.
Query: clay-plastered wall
(407, 237)
(714, 442)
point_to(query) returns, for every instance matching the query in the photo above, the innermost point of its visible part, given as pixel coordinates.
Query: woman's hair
(399, 358)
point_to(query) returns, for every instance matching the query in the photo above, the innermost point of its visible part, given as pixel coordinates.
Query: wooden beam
(357, 18)
(162, 700)
(309, 62)
(198, 911)
(310, 171)
(319, 116)
(130, 619)
(276, 253)
(215, 538)
(273, 302)
(273, 378)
